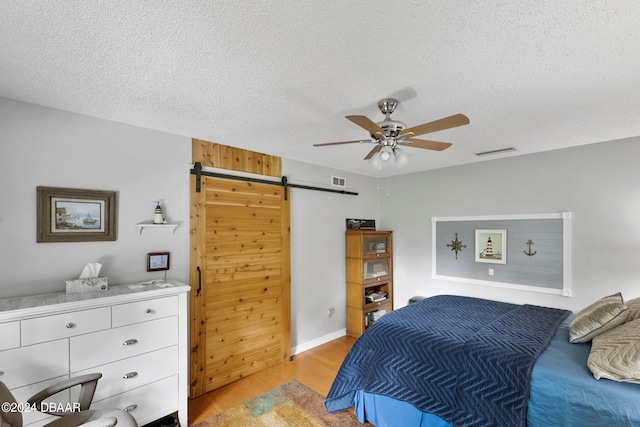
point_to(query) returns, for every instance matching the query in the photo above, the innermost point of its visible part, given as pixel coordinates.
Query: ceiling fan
(389, 135)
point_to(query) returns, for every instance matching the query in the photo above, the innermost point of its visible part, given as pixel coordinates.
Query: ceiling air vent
(337, 181)
(498, 151)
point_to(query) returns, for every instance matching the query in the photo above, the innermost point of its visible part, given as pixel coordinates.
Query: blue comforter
(463, 359)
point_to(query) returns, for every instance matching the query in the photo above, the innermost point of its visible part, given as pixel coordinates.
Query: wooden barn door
(240, 278)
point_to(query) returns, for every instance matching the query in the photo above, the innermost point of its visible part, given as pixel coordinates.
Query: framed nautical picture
(75, 215)
(491, 246)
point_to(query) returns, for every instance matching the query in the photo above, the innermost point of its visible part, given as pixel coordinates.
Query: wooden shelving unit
(369, 268)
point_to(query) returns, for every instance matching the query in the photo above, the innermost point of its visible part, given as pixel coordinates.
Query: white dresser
(135, 335)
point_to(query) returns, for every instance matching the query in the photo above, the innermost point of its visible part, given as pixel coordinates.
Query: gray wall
(43, 146)
(598, 183)
(318, 249)
(47, 147)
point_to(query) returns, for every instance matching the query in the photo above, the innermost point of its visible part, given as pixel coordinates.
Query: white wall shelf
(156, 228)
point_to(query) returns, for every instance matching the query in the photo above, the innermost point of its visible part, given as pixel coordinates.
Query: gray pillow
(615, 354)
(599, 317)
(634, 309)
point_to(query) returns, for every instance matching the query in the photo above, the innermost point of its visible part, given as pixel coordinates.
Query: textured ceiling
(278, 76)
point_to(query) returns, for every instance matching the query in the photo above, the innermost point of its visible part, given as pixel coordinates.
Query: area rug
(291, 404)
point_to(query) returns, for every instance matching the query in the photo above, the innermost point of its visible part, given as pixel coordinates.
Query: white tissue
(91, 270)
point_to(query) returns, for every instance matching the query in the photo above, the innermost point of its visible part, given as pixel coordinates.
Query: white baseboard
(318, 341)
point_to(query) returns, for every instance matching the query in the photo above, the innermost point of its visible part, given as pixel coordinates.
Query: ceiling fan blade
(436, 125)
(338, 143)
(373, 152)
(423, 143)
(366, 123)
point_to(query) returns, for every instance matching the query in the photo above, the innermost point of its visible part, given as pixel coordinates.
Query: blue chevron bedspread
(466, 360)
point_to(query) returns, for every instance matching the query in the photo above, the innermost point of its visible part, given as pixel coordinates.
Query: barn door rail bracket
(285, 185)
(198, 172)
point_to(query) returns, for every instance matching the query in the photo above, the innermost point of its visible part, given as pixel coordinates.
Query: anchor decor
(456, 245)
(530, 242)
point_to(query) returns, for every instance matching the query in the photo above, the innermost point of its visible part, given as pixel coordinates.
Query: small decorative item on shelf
(159, 224)
(375, 297)
(361, 224)
(158, 218)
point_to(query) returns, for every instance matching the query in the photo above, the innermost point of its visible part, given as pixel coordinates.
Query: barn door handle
(199, 280)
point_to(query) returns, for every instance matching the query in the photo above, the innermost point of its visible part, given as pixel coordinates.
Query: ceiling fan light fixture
(386, 154)
(388, 157)
(375, 162)
(390, 133)
(402, 158)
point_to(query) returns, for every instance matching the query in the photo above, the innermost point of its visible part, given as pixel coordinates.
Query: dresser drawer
(88, 351)
(147, 403)
(142, 311)
(48, 328)
(135, 372)
(10, 333)
(35, 363)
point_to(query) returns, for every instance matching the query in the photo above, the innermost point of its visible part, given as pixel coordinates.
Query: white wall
(598, 183)
(46, 147)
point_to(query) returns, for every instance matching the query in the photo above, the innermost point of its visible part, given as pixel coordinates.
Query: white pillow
(615, 354)
(599, 317)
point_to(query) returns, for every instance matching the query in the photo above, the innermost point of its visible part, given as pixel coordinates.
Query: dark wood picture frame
(158, 261)
(75, 215)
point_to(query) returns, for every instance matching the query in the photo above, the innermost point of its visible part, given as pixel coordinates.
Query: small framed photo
(158, 261)
(491, 246)
(75, 215)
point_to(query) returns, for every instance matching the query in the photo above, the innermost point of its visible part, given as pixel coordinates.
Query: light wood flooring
(315, 368)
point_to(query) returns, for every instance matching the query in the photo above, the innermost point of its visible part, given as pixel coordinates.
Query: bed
(461, 361)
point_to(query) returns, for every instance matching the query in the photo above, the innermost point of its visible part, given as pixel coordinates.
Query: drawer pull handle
(149, 311)
(130, 375)
(1, 373)
(70, 325)
(130, 342)
(130, 408)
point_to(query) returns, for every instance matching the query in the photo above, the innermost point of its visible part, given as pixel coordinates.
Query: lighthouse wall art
(491, 246)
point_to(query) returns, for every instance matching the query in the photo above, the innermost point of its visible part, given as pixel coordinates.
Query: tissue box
(90, 284)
